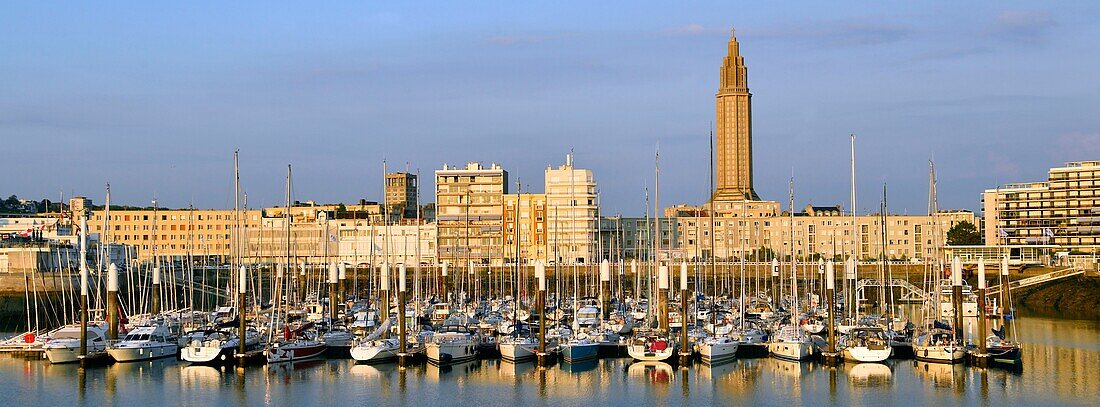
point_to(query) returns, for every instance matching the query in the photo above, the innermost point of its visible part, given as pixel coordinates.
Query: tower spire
(734, 132)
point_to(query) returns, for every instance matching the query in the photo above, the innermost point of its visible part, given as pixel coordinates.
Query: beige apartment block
(469, 213)
(1064, 210)
(525, 219)
(369, 244)
(827, 232)
(572, 212)
(173, 233)
(401, 194)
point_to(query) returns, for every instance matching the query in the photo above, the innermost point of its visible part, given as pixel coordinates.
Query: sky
(153, 98)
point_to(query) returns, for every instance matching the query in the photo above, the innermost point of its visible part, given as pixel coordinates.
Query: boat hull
(295, 352)
(374, 353)
(652, 351)
(794, 351)
(208, 355)
(1005, 355)
(717, 353)
(939, 354)
(517, 352)
(442, 354)
(143, 352)
(572, 353)
(863, 354)
(61, 355)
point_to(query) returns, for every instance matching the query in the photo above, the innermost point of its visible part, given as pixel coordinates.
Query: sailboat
(220, 344)
(518, 345)
(866, 344)
(86, 339)
(790, 342)
(718, 346)
(453, 342)
(299, 343)
(656, 345)
(936, 342)
(300, 340)
(1001, 348)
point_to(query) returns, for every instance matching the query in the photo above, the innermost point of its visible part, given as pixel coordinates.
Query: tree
(964, 234)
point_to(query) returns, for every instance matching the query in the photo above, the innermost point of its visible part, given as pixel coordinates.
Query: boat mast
(850, 291)
(713, 249)
(657, 239)
(794, 279)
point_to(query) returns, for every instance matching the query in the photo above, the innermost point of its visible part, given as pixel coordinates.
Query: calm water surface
(1061, 367)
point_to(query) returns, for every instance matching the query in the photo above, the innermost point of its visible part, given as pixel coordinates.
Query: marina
(438, 204)
(1060, 353)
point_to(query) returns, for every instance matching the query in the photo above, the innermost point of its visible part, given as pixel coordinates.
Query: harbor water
(1060, 362)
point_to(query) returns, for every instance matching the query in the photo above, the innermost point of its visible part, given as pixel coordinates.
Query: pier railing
(1039, 279)
(909, 292)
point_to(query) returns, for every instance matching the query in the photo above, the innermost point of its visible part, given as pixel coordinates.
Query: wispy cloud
(841, 33)
(1076, 146)
(953, 53)
(1031, 27)
(521, 39)
(694, 29)
(1003, 166)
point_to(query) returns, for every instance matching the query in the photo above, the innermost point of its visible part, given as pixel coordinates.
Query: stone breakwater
(1074, 297)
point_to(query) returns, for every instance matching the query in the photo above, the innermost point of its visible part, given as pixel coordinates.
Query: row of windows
(127, 238)
(177, 217)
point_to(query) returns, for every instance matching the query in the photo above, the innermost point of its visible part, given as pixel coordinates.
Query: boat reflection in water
(869, 374)
(515, 370)
(787, 368)
(579, 367)
(286, 367)
(372, 371)
(146, 369)
(941, 374)
(200, 376)
(652, 372)
(434, 373)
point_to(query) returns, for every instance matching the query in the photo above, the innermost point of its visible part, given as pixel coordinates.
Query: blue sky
(154, 98)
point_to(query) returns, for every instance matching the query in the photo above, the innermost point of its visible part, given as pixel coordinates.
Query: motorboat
(219, 346)
(453, 343)
(145, 343)
(64, 344)
(717, 349)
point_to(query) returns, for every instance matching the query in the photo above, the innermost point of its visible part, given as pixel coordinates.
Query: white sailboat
(453, 343)
(790, 341)
(866, 344)
(937, 342)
